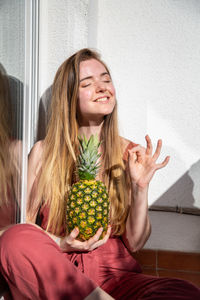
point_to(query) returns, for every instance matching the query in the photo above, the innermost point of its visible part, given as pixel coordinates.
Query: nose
(100, 86)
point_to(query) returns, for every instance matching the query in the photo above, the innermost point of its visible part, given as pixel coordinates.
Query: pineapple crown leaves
(87, 164)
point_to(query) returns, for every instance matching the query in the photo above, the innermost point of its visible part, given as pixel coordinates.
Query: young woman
(44, 262)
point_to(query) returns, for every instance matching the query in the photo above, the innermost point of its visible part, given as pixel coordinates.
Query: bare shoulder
(15, 150)
(37, 149)
(35, 156)
(125, 146)
(16, 147)
(124, 143)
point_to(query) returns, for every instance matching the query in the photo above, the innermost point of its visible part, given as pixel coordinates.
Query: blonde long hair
(6, 167)
(61, 147)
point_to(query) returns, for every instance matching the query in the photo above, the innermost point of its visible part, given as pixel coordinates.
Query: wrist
(57, 240)
(139, 188)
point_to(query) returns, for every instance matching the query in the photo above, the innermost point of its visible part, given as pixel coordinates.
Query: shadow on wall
(16, 96)
(185, 192)
(11, 125)
(44, 106)
(15, 92)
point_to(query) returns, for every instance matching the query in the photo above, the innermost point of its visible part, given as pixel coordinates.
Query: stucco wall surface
(153, 50)
(63, 30)
(12, 20)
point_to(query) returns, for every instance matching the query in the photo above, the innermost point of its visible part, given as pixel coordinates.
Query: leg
(35, 268)
(138, 286)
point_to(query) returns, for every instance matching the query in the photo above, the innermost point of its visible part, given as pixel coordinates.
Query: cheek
(84, 100)
(84, 95)
(112, 90)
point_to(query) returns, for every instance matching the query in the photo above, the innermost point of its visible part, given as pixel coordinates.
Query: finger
(158, 149)
(102, 241)
(149, 145)
(163, 164)
(98, 233)
(73, 235)
(137, 153)
(95, 238)
(108, 233)
(135, 149)
(132, 156)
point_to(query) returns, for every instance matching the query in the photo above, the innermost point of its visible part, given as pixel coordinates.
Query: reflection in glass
(10, 164)
(12, 65)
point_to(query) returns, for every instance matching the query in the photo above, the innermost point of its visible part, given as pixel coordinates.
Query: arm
(34, 165)
(141, 167)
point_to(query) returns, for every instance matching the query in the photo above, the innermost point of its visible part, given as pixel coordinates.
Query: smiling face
(96, 92)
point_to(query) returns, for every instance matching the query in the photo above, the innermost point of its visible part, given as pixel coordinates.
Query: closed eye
(86, 85)
(106, 78)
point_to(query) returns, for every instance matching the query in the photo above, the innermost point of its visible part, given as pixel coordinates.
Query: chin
(106, 111)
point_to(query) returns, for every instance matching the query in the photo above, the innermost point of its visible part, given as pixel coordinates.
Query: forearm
(138, 226)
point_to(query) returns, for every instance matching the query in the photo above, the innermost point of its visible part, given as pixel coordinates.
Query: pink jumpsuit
(36, 269)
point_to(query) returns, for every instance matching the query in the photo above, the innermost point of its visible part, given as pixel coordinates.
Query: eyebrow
(90, 77)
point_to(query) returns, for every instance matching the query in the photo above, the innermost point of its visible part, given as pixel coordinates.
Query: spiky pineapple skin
(88, 208)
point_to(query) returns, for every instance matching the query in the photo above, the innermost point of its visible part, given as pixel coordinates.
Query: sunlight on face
(96, 92)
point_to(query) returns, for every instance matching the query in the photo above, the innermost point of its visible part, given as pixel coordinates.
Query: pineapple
(88, 203)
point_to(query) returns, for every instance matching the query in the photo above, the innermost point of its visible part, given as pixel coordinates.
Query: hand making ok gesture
(142, 162)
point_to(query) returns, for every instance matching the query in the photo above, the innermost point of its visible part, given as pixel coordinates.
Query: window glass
(12, 72)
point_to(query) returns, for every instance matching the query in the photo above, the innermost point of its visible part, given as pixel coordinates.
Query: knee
(181, 288)
(15, 239)
(189, 289)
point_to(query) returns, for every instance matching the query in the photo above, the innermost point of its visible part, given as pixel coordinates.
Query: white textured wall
(153, 49)
(12, 19)
(63, 30)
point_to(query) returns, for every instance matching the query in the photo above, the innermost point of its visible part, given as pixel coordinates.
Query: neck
(88, 130)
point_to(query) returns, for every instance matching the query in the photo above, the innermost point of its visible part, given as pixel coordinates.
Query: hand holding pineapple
(70, 243)
(87, 201)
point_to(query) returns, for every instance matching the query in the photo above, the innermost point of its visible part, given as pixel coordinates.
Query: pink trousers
(35, 268)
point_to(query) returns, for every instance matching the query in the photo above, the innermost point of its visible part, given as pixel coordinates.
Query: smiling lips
(103, 99)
